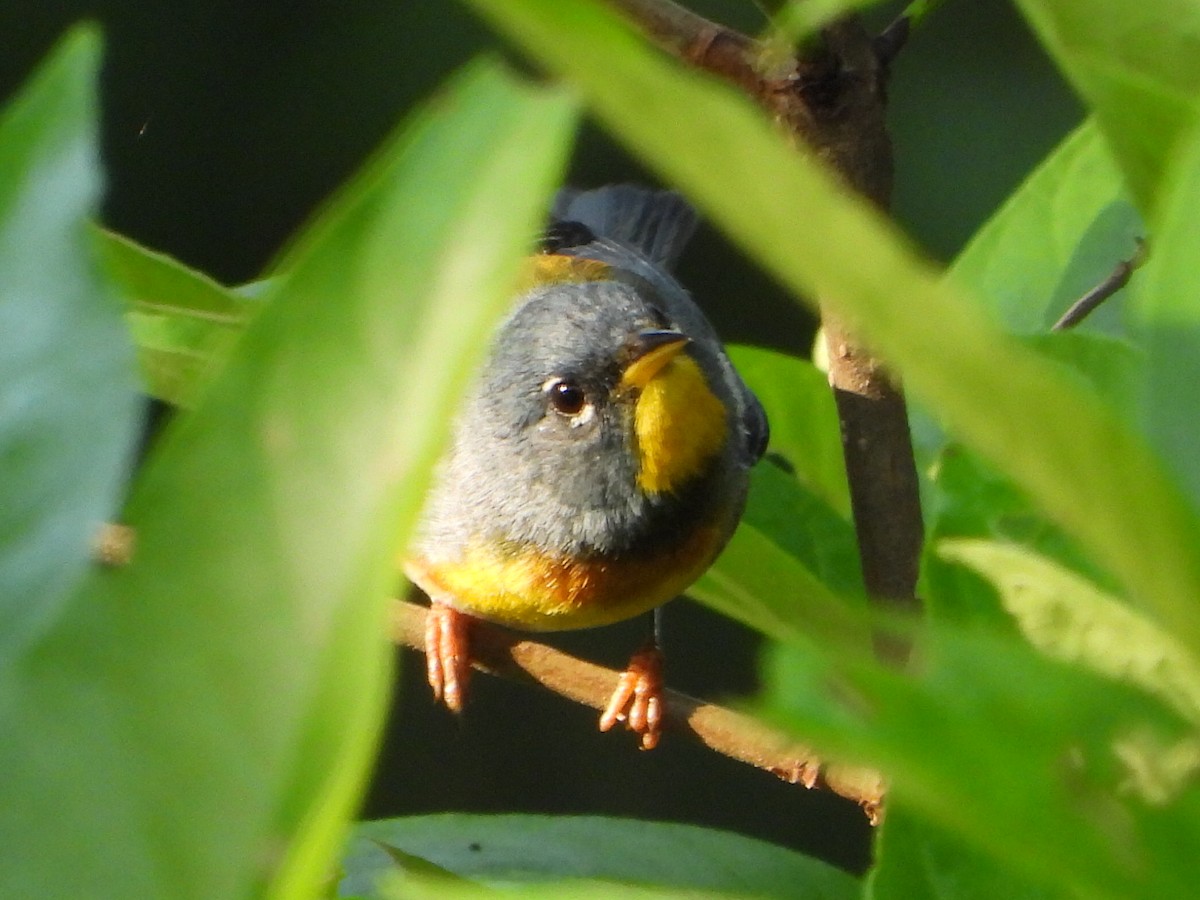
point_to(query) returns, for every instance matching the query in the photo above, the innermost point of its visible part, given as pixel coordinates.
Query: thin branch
(507, 655)
(1117, 279)
(893, 39)
(693, 38)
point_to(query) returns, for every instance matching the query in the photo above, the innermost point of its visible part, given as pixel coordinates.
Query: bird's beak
(650, 351)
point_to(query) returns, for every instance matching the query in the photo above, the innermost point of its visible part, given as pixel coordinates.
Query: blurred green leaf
(1070, 619)
(1052, 770)
(203, 718)
(791, 570)
(69, 411)
(1056, 440)
(1166, 311)
(155, 283)
(525, 850)
(964, 496)
(1111, 367)
(796, 19)
(183, 322)
(917, 859)
(1061, 233)
(1137, 67)
(967, 498)
(804, 423)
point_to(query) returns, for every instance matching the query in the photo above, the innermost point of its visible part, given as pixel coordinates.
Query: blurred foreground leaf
(1166, 319)
(204, 717)
(1075, 782)
(68, 405)
(1069, 618)
(916, 859)
(1136, 66)
(1061, 233)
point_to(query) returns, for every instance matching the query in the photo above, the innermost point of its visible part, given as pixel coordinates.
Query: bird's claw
(638, 698)
(447, 654)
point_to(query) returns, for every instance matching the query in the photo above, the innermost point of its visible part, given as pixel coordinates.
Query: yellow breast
(526, 589)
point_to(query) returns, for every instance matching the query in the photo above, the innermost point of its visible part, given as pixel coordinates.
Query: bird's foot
(638, 698)
(447, 654)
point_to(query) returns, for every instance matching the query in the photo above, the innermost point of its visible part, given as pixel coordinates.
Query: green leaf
(183, 322)
(1052, 770)
(1060, 234)
(791, 570)
(525, 850)
(804, 422)
(1111, 367)
(201, 723)
(917, 859)
(967, 498)
(69, 412)
(964, 496)
(1054, 438)
(1136, 66)
(155, 283)
(1167, 320)
(797, 19)
(1070, 619)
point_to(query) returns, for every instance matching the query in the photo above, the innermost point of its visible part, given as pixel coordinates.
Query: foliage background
(226, 123)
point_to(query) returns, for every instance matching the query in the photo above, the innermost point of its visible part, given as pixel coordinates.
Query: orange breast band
(531, 591)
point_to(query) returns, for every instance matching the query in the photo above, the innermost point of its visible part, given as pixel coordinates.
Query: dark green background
(227, 122)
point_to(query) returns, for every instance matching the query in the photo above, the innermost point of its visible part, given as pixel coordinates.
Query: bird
(599, 461)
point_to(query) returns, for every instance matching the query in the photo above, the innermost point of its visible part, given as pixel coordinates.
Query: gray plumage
(520, 473)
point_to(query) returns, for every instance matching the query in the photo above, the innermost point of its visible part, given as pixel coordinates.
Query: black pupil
(567, 398)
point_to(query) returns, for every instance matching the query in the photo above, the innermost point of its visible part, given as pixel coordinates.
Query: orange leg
(638, 698)
(447, 654)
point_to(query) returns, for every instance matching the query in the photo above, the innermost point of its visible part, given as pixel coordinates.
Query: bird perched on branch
(601, 459)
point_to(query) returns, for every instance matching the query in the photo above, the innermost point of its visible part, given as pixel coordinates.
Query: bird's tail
(658, 224)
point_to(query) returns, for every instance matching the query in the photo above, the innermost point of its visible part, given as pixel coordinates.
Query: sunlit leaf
(1062, 232)
(1069, 618)
(201, 721)
(804, 425)
(183, 322)
(69, 412)
(1137, 67)
(1166, 314)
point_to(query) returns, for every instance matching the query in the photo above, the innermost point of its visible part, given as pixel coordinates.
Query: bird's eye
(566, 397)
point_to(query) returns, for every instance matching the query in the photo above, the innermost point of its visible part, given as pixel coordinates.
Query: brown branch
(706, 45)
(507, 655)
(831, 97)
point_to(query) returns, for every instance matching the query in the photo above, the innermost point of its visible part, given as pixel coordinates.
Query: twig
(1117, 279)
(510, 656)
(707, 45)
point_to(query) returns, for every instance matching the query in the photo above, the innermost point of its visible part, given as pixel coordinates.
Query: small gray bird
(601, 460)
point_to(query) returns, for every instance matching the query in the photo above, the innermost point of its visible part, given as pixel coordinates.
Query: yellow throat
(678, 421)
